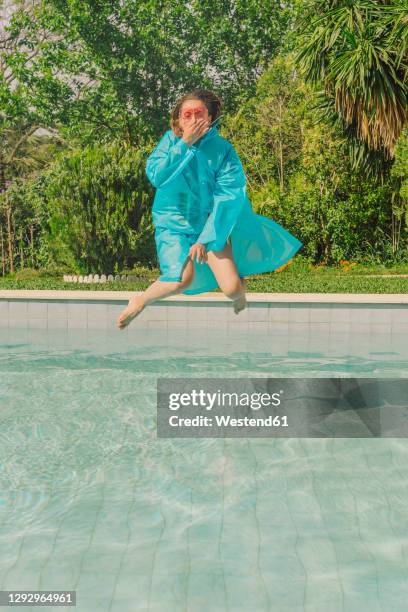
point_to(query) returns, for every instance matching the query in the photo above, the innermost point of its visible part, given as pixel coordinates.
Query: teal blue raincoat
(201, 197)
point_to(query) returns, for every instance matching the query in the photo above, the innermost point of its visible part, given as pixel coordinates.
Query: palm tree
(358, 51)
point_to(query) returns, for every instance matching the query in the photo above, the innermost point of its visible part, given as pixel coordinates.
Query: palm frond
(358, 52)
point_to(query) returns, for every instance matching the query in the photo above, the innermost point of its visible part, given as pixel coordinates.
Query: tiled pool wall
(274, 316)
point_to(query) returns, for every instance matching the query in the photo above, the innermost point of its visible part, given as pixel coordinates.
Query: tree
(358, 51)
(267, 129)
(99, 209)
(104, 71)
(148, 52)
(110, 68)
(300, 173)
(399, 181)
(31, 99)
(279, 115)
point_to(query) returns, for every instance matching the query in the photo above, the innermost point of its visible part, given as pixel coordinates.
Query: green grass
(325, 283)
(300, 277)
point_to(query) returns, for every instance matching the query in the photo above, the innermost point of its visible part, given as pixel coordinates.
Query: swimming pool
(92, 501)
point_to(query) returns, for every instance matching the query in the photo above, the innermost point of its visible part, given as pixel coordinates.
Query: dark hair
(210, 99)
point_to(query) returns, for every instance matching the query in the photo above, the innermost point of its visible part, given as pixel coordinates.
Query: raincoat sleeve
(229, 200)
(167, 160)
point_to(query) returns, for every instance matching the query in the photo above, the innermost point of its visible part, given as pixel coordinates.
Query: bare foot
(239, 304)
(134, 307)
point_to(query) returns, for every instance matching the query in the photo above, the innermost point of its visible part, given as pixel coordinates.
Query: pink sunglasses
(188, 114)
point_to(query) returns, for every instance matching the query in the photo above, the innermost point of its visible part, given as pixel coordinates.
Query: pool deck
(289, 313)
(212, 297)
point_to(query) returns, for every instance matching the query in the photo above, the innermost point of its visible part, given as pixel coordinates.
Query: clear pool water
(92, 501)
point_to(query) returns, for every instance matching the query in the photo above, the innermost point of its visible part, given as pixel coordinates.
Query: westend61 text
(228, 421)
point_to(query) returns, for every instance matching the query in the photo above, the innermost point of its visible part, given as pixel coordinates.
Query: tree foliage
(358, 52)
(85, 92)
(99, 203)
(300, 174)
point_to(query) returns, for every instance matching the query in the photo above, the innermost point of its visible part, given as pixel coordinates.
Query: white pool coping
(108, 296)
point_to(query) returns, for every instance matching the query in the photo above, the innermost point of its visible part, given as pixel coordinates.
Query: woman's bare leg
(156, 291)
(225, 271)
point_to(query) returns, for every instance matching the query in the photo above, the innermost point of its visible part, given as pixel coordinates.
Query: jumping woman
(206, 233)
